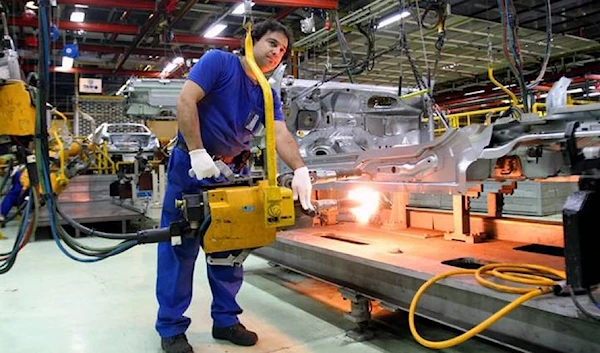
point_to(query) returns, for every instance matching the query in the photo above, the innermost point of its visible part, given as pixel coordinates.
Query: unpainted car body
(126, 140)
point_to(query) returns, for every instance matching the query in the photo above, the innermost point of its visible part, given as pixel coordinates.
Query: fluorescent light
(393, 18)
(594, 94)
(474, 92)
(67, 63)
(575, 90)
(77, 16)
(79, 6)
(239, 9)
(214, 30)
(178, 60)
(507, 86)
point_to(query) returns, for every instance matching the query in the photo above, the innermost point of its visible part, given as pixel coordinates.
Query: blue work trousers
(14, 197)
(176, 263)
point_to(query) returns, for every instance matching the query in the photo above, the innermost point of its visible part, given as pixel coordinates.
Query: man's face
(269, 50)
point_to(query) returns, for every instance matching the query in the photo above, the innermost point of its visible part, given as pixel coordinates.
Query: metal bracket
(230, 260)
(462, 218)
(360, 314)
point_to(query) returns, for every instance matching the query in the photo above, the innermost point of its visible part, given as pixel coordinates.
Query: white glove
(302, 188)
(202, 165)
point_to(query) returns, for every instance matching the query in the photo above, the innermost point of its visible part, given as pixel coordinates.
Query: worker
(14, 197)
(219, 108)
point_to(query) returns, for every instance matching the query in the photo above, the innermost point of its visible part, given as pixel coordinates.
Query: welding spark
(369, 200)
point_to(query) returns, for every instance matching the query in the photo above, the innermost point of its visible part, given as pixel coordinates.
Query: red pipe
(97, 71)
(467, 108)
(116, 49)
(74, 26)
(318, 4)
(580, 74)
(140, 5)
(285, 13)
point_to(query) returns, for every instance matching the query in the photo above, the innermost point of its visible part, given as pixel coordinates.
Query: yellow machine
(241, 217)
(18, 109)
(18, 120)
(247, 217)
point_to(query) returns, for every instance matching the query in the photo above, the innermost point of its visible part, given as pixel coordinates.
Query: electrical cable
(593, 298)
(23, 234)
(548, 46)
(543, 278)
(344, 47)
(595, 316)
(308, 90)
(7, 174)
(420, 24)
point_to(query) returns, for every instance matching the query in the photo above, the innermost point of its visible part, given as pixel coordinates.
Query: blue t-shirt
(233, 107)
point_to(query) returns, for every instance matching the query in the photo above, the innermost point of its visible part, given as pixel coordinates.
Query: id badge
(254, 124)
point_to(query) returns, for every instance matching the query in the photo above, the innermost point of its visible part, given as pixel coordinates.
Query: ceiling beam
(232, 43)
(319, 4)
(164, 8)
(75, 26)
(285, 13)
(180, 38)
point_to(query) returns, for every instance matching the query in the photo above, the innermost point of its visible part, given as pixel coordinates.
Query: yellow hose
(269, 112)
(518, 273)
(512, 96)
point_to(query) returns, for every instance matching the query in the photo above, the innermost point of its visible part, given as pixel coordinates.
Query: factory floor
(49, 303)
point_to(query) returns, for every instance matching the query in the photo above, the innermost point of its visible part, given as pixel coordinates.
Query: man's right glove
(202, 165)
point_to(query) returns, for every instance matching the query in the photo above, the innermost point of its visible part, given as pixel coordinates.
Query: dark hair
(270, 25)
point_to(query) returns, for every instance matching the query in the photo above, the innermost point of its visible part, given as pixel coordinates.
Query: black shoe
(176, 344)
(236, 334)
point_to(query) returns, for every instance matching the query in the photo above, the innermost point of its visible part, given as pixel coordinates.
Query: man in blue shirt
(217, 112)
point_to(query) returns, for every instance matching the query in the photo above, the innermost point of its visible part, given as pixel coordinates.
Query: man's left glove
(302, 188)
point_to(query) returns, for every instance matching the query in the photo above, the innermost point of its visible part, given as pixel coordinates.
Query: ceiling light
(67, 63)
(214, 30)
(178, 60)
(77, 16)
(393, 18)
(239, 9)
(79, 6)
(474, 92)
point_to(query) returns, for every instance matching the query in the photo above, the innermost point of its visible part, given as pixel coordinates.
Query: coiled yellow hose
(519, 273)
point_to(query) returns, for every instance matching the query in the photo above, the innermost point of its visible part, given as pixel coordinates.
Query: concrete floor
(49, 303)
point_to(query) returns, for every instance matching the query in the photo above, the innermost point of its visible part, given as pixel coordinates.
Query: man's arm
(287, 148)
(187, 114)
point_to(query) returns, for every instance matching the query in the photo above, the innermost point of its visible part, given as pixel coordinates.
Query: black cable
(92, 232)
(308, 90)
(580, 307)
(593, 298)
(548, 46)
(7, 175)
